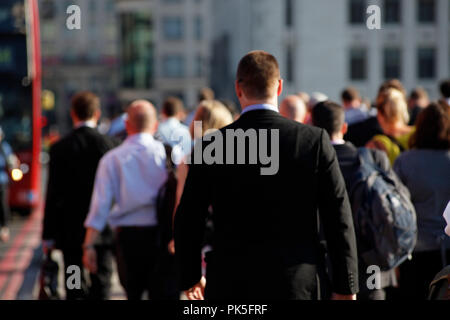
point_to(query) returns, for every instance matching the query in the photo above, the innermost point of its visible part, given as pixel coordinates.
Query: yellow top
(392, 149)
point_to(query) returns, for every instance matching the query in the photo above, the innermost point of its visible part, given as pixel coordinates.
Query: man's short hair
(328, 115)
(85, 104)
(205, 94)
(349, 94)
(258, 73)
(172, 106)
(445, 88)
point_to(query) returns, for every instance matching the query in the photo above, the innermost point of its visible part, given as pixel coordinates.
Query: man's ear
(280, 87)
(238, 89)
(73, 116)
(97, 115)
(344, 129)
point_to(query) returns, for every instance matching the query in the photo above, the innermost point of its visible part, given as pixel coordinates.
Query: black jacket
(73, 165)
(265, 240)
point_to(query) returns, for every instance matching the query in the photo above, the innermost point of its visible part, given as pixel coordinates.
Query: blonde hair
(213, 115)
(391, 104)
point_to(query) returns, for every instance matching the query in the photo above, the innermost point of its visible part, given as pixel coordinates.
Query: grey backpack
(384, 217)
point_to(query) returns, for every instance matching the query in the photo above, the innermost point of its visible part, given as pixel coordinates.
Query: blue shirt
(127, 183)
(175, 134)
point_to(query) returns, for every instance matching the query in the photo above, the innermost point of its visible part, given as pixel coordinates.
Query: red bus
(20, 95)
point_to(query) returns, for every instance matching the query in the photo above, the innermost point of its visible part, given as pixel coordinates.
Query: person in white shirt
(127, 183)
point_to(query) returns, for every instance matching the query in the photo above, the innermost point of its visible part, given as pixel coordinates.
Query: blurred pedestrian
(73, 163)
(203, 94)
(445, 90)
(418, 100)
(8, 161)
(393, 118)
(171, 131)
(425, 170)
(354, 109)
(126, 187)
(293, 108)
(331, 117)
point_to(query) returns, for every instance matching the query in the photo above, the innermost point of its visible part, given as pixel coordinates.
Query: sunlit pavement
(22, 256)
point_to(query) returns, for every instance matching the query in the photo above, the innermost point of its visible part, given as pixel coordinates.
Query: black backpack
(384, 217)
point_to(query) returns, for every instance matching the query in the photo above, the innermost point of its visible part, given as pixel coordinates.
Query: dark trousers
(137, 260)
(417, 274)
(100, 283)
(4, 206)
(243, 279)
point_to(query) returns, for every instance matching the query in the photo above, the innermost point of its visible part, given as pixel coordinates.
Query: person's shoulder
(63, 143)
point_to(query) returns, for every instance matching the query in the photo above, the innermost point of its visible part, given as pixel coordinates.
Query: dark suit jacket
(73, 164)
(265, 240)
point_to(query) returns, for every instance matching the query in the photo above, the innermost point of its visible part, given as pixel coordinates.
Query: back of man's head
(172, 107)
(141, 117)
(85, 105)
(350, 94)
(445, 89)
(330, 116)
(293, 108)
(258, 74)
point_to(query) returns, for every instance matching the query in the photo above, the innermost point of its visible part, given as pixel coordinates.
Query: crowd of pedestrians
(300, 233)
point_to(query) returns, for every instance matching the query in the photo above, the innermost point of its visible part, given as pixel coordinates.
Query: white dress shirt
(127, 183)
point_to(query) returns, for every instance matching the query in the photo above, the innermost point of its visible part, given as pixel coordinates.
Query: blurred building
(164, 49)
(85, 59)
(325, 45)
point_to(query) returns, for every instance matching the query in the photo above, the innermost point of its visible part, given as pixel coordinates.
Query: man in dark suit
(73, 164)
(265, 243)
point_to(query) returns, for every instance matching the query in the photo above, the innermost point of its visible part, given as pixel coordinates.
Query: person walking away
(73, 162)
(126, 187)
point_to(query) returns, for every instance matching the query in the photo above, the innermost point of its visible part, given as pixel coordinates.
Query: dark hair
(432, 128)
(172, 106)
(85, 104)
(350, 94)
(418, 93)
(328, 115)
(392, 84)
(445, 88)
(205, 94)
(258, 72)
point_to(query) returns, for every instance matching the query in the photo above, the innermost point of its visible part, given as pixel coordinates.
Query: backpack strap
(365, 156)
(396, 142)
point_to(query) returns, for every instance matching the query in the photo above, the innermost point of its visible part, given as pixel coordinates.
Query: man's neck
(273, 102)
(86, 123)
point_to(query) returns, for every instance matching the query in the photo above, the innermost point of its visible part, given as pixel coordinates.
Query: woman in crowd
(425, 170)
(393, 118)
(213, 116)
